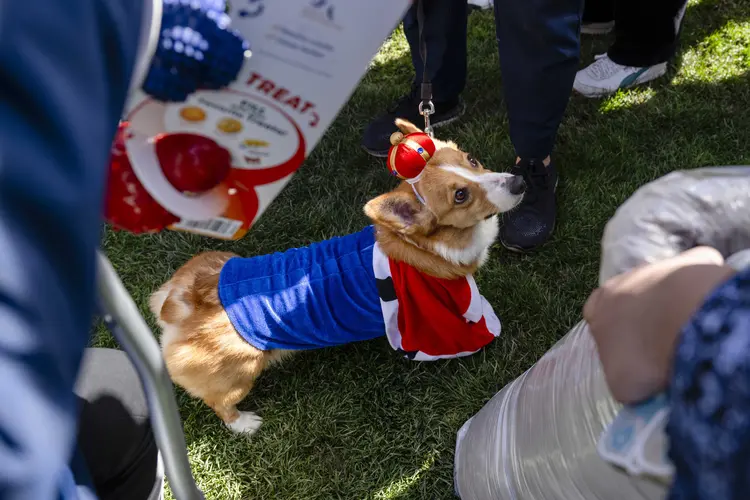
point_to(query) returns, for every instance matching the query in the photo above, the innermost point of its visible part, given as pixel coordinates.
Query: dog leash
(426, 106)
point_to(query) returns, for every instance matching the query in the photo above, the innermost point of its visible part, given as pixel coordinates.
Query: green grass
(358, 422)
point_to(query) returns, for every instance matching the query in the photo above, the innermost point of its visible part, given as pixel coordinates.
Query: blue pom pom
(196, 50)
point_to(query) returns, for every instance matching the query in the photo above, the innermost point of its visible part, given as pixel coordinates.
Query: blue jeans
(538, 45)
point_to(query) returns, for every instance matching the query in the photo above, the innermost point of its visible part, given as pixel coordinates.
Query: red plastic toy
(192, 164)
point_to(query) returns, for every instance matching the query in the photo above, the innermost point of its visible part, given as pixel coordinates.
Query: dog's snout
(516, 185)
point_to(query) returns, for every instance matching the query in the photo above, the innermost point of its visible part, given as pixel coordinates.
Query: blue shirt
(709, 426)
(322, 295)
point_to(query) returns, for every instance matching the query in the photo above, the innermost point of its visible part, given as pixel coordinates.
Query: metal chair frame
(124, 320)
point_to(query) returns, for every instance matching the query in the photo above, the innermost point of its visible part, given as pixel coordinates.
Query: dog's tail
(194, 286)
(168, 305)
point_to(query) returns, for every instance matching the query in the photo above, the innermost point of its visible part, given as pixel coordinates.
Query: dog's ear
(406, 126)
(401, 212)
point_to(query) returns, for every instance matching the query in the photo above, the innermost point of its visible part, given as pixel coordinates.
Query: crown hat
(409, 155)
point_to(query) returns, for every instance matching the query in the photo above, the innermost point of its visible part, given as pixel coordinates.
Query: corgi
(407, 277)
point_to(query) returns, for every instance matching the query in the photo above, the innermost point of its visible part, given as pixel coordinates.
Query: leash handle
(426, 106)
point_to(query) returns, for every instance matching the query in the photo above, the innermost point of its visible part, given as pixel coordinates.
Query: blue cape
(319, 296)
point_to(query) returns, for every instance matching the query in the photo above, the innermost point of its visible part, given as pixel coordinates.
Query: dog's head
(451, 210)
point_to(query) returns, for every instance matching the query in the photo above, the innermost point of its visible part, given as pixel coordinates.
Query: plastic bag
(682, 210)
(536, 438)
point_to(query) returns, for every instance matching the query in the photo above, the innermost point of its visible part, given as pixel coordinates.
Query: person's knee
(115, 434)
(540, 23)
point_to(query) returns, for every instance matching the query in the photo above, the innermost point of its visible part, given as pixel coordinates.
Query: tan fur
(206, 356)
(442, 223)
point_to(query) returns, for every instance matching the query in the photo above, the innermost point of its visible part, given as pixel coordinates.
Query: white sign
(307, 58)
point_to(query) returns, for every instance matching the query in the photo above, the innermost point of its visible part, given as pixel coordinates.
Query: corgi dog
(407, 277)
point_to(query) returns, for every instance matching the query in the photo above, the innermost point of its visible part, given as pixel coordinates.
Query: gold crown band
(416, 147)
(392, 160)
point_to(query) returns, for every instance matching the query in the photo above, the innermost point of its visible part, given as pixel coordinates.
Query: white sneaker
(481, 4)
(604, 76)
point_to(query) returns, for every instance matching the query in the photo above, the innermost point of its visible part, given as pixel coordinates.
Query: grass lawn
(358, 422)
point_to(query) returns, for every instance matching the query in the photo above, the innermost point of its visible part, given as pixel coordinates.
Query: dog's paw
(248, 423)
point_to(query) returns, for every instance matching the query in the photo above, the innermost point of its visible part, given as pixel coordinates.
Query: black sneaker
(376, 139)
(531, 224)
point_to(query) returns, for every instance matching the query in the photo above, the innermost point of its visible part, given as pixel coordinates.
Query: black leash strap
(426, 107)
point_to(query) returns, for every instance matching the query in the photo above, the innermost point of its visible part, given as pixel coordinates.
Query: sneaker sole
(597, 28)
(447, 121)
(516, 249)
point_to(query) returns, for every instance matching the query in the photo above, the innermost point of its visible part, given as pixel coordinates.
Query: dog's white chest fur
(485, 234)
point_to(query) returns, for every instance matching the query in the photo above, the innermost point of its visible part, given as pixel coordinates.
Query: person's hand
(635, 318)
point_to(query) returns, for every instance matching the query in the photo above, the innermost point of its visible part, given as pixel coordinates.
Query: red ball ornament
(409, 154)
(191, 163)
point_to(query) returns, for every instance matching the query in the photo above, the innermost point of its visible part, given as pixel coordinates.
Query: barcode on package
(218, 227)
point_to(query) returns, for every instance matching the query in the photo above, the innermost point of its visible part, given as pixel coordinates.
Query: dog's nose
(516, 185)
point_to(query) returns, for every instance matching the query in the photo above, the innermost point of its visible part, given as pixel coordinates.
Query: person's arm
(635, 318)
(683, 325)
(709, 395)
(65, 68)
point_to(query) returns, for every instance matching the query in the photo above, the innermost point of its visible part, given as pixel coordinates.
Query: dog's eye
(473, 161)
(461, 195)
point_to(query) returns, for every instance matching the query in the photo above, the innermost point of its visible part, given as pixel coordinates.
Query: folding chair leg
(130, 329)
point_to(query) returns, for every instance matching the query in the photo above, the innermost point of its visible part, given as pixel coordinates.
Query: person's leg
(538, 44)
(445, 37)
(598, 17)
(646, 37)
(114, 433)
(647, 32)
(66, 70)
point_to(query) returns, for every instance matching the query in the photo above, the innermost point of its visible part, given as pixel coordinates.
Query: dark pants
(445, 36)
(538, 44)
(646, 31)
(114, 434)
